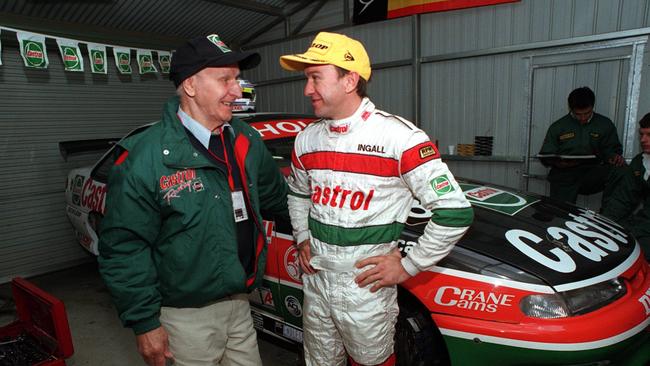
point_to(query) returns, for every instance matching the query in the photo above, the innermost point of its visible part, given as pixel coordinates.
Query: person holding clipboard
(583, 151)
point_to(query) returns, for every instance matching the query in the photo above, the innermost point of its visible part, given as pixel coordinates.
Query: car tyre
(418, 341)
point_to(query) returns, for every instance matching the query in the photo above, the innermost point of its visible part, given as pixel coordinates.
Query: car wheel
(417, 340)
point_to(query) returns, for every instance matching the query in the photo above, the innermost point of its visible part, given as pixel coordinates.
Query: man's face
(326, 90)
(644, 136)
(583, 114)
(216, 88)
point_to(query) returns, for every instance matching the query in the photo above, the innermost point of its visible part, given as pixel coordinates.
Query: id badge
(239, 206)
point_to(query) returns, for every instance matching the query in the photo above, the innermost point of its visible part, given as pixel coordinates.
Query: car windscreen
(281, 150)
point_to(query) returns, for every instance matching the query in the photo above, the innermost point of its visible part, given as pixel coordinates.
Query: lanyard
(231, 181)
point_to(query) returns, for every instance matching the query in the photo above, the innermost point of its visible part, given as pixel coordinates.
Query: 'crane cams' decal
(496, 199)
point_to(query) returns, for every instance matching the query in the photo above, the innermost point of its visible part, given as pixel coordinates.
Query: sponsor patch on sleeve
(567, 136)
(427, 151)
(418, 155)
(442, 185)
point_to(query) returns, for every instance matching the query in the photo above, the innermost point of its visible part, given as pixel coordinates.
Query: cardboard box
(41, 335)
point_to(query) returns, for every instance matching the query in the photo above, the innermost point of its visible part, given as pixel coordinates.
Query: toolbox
(41, 334)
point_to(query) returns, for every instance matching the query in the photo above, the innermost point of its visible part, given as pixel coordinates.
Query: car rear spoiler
(80, 146)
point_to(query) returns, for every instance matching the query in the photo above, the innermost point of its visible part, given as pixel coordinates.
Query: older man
(182, 241)
(355, 175)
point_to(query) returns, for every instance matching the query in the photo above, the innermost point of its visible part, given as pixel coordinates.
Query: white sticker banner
(32, 49)
(123, 59)
(70, 54)
(97, 56)
(164, 60)
(145, 62)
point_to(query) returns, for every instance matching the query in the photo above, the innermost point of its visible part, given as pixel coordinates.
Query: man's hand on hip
(304, 256)
(154, 347)
(387, 271)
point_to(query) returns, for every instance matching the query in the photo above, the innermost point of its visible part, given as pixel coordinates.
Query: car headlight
(574, 302)
(545, 306)
(594, 297)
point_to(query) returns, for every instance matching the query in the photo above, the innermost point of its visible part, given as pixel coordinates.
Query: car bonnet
(565, 246)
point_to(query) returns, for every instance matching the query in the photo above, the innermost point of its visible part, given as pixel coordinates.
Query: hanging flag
(123, 59)
(97, 56)
(71, 54)
(32, 49)
(145, 62)
(164, 59)
(366, 11)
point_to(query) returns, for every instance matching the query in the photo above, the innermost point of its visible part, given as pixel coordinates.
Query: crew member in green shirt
(630, 202)
(580, 133)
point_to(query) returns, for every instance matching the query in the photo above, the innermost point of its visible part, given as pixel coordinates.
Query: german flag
(366, 11)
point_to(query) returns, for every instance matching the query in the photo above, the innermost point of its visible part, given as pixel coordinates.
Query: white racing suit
(352, 185)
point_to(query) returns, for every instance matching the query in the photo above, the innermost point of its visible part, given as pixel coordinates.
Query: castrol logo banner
(276, 129)
(164, 60)
(123, 59)
(70, 54)
(97, 54)
(32, 49)
(145, 62)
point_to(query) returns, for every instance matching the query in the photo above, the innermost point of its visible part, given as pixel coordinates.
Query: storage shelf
(493, 159)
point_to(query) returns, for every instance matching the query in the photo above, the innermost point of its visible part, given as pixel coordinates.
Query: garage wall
(385, 45)
(474, 72)
(39, 109)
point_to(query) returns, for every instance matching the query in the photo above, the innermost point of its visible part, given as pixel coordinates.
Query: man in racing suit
(355, 174)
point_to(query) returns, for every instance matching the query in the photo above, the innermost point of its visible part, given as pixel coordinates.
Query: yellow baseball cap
(331, 48)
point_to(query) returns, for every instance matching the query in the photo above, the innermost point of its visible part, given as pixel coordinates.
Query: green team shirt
(632, 190)
(567, 136)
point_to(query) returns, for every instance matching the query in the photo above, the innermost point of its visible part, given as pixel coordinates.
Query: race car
(246, 103)
(534, 281)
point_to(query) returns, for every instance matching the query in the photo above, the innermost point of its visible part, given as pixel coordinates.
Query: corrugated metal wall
(39, 109)
(384, 44)
(474, 72)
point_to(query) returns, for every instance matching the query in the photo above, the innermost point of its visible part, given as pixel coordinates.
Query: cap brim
(298, 62)
(245, 60)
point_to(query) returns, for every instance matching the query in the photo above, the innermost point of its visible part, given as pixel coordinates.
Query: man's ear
(189, 86)
(351, 81)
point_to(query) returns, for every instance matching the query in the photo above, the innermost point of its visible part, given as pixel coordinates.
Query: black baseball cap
(209, 51)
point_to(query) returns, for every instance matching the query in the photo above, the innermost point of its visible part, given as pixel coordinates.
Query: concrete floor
(98, 337)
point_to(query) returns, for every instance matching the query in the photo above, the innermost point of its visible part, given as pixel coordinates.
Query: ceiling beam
(301, 5)
(251, 6)
(90, 33)
(309, 17)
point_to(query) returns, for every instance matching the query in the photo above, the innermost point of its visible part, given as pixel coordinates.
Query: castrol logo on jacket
(342, 198)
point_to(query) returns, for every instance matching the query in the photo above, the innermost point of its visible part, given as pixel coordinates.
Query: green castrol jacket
(631, 191)
(567, 136)
(169, 235)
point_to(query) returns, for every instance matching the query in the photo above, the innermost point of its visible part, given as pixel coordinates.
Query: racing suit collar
(345, 125)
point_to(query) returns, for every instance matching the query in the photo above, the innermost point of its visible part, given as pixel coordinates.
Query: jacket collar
(345, 125)
(177, 150)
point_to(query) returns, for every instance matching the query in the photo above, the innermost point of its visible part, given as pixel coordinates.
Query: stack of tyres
(483, 145)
